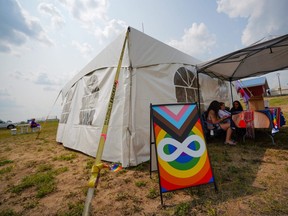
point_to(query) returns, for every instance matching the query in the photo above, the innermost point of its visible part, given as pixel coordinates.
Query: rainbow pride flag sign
(182, 156)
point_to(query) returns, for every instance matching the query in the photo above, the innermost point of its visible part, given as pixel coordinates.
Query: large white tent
(151, 73)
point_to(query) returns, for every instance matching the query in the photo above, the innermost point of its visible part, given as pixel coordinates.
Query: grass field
(40, 177)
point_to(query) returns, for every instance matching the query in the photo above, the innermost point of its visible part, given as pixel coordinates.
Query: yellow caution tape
(96, 168)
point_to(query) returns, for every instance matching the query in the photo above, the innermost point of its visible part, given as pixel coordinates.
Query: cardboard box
(256, 103)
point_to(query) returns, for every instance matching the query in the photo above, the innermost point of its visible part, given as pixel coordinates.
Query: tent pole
(231, 90)
(198, 90)
(130, 128)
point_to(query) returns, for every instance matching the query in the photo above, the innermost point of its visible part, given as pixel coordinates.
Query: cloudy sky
(44, 43)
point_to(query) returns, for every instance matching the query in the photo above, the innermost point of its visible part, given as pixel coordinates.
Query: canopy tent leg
(231, 91)
(198, 90)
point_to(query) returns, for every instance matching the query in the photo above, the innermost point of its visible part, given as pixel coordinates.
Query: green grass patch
(43, 180)
(140, 183)
(153, 193)
(122, 196)
(182, 209)
(61, 170)
(8, 212)
(4, 162)
(6, 170)
(44, 168)
(89, 164)
(66, 157)
(278, 101)
(44, 183)
(74, 209)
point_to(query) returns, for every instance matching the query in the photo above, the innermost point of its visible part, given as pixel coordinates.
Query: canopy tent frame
(260, 58)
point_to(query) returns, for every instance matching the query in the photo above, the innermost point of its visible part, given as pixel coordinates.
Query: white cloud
(87, 11)
(92, 14)
(57, 18)
(242, 8)
(49, 82)
(42, 78)
(110, 30)
(264, 17)
(196, 41)
(17, 26)
(84, 48)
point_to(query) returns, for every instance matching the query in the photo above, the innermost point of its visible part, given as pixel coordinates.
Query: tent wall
(154, 85)
(215, 89)
(84, 136)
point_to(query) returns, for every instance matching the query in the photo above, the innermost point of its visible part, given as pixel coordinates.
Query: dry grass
(41, 177)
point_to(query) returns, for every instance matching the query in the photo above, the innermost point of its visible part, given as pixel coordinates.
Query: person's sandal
(230, 143)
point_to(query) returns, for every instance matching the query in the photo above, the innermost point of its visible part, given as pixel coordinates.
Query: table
(264, 119)
(24, 128)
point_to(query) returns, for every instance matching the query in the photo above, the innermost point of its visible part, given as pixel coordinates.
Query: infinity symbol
(181, 147)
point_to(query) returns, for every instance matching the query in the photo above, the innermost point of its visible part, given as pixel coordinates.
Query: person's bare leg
(229, 132)
(225, 126)
(228, 135)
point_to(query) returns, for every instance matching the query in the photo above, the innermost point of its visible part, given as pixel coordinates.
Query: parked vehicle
(8, 124)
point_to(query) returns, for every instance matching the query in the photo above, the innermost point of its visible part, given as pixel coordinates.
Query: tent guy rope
(97, 166)
(39, 131)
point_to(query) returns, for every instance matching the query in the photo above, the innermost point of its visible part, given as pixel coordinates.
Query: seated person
(223, 113)
(236, 108)
(33, 123)
(212, 116)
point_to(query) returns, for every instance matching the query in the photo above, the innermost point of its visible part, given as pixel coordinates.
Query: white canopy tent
(151, 72)
(258, 59)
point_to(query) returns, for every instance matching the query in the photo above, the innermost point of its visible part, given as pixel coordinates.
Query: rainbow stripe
(116, 167)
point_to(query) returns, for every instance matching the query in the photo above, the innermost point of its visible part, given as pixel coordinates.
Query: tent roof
(142, 51)
(258, 59)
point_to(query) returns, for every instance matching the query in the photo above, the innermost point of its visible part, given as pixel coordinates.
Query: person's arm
(214, 118)
(224, 114)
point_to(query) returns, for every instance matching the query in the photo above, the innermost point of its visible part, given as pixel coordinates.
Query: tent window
(67, 106)
(186, 85)
(89, 100)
